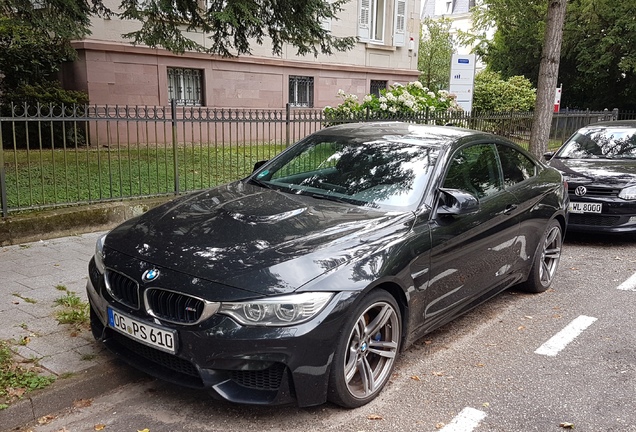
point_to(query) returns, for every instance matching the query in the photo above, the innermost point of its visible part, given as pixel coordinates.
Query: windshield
(391, 173)
(600, 142)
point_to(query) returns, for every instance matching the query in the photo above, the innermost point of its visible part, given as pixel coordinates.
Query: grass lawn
(52, 177)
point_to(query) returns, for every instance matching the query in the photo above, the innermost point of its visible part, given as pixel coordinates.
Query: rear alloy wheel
(546, 261)
(366, 353)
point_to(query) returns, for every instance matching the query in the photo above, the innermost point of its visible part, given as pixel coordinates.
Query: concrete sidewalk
(32, 277)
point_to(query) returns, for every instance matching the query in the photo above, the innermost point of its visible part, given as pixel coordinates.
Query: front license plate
(156, 337)
(579, 207)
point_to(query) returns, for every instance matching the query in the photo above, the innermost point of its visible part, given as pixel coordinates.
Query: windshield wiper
(334, 198)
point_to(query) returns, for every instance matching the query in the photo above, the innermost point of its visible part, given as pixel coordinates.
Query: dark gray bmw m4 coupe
(303, 282)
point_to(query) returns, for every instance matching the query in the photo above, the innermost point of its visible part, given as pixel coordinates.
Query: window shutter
(364, 18)
(325, 23)
(399, 33)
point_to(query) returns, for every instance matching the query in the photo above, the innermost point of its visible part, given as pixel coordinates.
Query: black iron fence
(54, 156)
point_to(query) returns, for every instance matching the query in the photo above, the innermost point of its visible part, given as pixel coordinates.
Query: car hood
(608, 172)
(256, 239)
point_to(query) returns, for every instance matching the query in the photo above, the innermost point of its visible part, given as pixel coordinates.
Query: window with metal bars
(301, 91)
(376, 86)
(184, 86)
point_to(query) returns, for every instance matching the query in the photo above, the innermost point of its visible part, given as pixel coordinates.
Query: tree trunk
(548, 75)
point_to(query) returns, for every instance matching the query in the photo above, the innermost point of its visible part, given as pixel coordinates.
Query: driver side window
(475, 169)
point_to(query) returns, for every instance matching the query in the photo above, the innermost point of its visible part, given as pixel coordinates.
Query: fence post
(3, 181)
(287, 121)
(175, 156)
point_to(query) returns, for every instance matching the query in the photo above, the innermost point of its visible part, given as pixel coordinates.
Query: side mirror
(259, 164)
(457, 202)
(548, 155)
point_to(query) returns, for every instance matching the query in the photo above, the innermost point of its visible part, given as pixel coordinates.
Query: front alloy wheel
(367, 351)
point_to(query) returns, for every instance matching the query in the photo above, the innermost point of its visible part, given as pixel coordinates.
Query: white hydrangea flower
(391, 97)
(367, 98)
(418, 84)
(431, 109)
(382, 99)
(393, 109)
(341, 92)
(431, 94)
(383, 106)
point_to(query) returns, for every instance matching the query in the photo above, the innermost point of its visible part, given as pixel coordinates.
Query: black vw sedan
(302, 282)
(599, 164)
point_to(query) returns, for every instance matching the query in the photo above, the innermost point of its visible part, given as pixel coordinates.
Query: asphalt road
(483, 372)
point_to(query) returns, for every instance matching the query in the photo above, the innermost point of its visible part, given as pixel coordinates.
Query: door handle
(510, 208)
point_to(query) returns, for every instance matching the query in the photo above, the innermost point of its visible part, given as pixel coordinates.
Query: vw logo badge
(580, 191)
(150, 275)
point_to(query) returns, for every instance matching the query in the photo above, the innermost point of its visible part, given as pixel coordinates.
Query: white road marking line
(560, 340)
(467, 420)
(629, 284)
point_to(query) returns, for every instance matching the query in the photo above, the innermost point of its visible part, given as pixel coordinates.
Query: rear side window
(516, 166)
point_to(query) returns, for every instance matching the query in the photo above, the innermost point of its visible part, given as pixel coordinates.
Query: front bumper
(253, 365)
(617, 216)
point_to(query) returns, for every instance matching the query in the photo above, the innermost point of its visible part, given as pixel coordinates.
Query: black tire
(546, 260)
(366, 352)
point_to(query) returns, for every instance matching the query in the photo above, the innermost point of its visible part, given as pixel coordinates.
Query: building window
(375, 19)
(301, 91)
(184, 86)
(376, 86)
(372, 17)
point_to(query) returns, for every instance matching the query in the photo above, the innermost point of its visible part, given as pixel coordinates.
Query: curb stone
(86, 384)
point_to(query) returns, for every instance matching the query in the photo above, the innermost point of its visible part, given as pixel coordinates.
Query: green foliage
(516, 46)
(45, 93)
(35, 40)
(28, 55)
(598, 60)
(232, 26)
(75, 311)
(57, 19)
(437, 46)
(16, 379)
(492, 93)
(47, 97)
(598, 56)
(398, 100)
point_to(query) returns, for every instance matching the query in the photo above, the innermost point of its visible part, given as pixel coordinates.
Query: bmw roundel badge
(150, 275)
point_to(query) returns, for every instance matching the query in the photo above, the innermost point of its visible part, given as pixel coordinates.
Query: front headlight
(99, 254)
(277, 311)
(629, 193)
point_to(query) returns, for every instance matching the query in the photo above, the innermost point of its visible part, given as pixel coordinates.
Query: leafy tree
(598, 56)
(28, 56)
(437, 46)
(492, 93)
(232, 25)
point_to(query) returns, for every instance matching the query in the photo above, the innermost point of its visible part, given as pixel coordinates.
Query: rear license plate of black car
(154, 336)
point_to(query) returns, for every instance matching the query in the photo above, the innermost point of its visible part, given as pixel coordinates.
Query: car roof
(431, 134)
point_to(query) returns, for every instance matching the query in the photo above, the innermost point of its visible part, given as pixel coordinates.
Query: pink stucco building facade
(113, 72)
